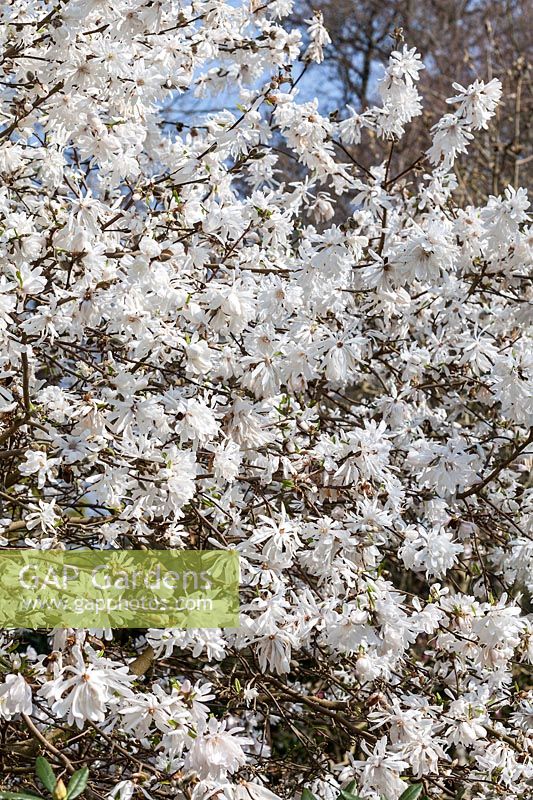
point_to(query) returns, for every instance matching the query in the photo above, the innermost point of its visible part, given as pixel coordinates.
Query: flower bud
(60, 791)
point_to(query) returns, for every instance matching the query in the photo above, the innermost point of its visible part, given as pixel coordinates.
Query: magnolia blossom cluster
(201, 351)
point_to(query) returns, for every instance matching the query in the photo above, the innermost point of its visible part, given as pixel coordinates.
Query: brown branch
(495, 472)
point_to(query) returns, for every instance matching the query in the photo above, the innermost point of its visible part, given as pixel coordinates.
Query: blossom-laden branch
(199, 352)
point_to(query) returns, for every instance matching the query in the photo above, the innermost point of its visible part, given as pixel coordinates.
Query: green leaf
(77, 783)
(412, 792)
(19, 796)
(307, 795)
(347, 795)
(45, 773)
(350, 787)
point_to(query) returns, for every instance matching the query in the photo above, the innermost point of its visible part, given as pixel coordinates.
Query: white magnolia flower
(217, 752)
(382, 769)
(86, 690)
(38, 462)
(15, 696)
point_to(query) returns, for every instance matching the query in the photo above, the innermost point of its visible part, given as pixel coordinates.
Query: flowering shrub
(197, 353)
